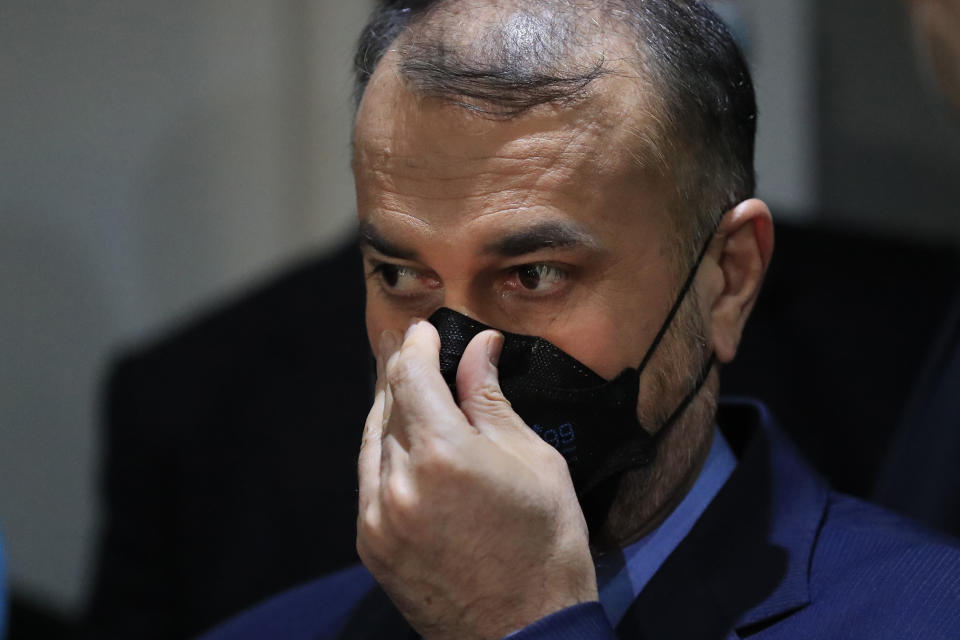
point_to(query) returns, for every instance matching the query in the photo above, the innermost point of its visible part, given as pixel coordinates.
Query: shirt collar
(622, 575)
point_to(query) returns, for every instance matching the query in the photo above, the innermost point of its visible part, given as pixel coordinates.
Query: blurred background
(158, 158)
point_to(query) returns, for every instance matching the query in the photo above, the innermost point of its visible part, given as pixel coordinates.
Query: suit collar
(745, 563)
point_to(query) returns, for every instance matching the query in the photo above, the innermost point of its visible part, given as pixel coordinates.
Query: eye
(537, 278)
(404, 280)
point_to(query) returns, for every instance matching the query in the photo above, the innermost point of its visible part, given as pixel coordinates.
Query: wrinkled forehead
(394, 120)
(610, 126)
(463, 68)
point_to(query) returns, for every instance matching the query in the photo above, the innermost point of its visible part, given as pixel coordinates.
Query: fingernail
(494, 348)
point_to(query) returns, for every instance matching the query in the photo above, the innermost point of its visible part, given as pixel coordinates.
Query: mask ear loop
(708, 366)
(694, 390)
(629, 456)
(681, 296)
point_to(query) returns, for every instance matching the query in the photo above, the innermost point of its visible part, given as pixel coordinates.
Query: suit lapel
(745, 563)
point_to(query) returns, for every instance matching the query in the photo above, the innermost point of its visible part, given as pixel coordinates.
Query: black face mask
(590, 420)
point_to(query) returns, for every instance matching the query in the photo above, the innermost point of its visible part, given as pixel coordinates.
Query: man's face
(541, 224)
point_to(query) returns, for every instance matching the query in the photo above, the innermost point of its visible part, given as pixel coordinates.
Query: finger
(481, 399)
(422, 405)
(394, 450)
(388, 345)
(369, 459)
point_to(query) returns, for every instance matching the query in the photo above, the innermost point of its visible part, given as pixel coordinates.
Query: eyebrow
(546, 235)
(370, 236)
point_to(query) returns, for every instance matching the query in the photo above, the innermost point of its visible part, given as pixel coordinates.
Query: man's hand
(468, 520)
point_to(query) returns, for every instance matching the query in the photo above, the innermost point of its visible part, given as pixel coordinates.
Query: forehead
(439, 165)
(396, 126)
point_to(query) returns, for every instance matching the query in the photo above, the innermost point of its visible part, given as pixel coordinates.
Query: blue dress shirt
(621, 576)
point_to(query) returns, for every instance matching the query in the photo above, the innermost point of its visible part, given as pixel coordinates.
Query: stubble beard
(644, 497)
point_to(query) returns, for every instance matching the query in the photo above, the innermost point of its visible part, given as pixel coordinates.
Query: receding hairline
(600, 64)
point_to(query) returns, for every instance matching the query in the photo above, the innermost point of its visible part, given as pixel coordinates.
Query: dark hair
(705, 100)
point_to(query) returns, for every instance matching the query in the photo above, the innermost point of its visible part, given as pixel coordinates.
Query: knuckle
(554, 460)
(400, 499)
(372, 536)
(489, 396)
(403, 370)
(368, 554)
(362, 549)
(368, 520)
(436, 460)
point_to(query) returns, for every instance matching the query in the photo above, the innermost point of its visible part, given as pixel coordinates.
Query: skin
(468, 519)
(938, 25)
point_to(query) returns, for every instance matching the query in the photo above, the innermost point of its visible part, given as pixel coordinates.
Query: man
(581, 173)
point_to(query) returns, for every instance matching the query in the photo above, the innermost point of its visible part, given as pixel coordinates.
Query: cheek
(611, 329)
(601, 342)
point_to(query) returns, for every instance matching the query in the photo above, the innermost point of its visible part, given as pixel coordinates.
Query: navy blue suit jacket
(777, 554)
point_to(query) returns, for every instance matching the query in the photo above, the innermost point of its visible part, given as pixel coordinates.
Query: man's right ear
(745, 239)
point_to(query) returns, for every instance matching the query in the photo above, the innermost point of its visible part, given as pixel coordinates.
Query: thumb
(478, 388)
